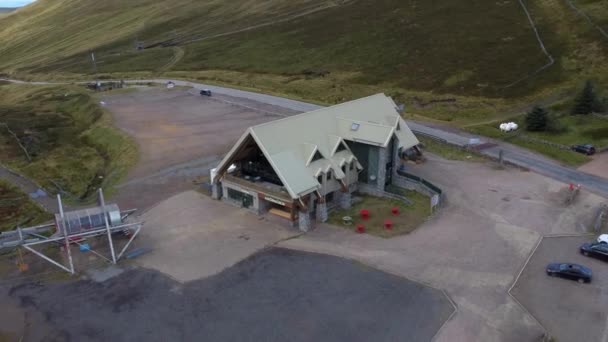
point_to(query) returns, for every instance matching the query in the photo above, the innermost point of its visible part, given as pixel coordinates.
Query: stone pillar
(382, 160)
(216, 191)
(263, 206)
(346, 200)
(304, 221)
(321, 212)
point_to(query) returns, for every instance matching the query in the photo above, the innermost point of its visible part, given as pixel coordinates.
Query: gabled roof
(290, 144)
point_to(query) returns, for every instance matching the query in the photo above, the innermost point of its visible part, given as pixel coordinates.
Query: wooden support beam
(303, 205)
(343, 186)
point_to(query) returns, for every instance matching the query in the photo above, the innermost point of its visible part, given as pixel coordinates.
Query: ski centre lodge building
(300, 166)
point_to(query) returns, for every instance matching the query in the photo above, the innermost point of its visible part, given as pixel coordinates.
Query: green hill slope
(483, 56)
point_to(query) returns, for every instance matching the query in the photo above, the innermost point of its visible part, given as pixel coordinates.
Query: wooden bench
(281, 213)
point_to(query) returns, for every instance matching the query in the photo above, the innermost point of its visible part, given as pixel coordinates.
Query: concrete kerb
(383, 269)
(445, 293)
(540, 240)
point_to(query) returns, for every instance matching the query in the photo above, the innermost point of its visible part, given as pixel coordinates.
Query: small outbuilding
(300, 166)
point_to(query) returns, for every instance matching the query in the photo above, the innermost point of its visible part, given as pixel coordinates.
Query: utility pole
(94, 69)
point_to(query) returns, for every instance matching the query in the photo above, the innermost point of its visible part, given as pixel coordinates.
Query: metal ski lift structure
(73, 226)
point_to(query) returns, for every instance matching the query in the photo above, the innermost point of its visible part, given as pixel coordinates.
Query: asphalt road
(276, 295)
(512, 154)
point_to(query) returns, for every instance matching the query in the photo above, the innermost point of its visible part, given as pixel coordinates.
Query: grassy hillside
(51, 30)
(60, 137)
(17, 209)
(458, 61)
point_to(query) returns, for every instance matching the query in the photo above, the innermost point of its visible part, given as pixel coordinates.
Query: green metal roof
(290, 143)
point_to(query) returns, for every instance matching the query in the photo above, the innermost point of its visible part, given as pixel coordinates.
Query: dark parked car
(205, 92)
(584, 149)
(595, 249)
(576, 272)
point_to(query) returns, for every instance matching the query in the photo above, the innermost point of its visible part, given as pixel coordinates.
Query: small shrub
(555, 126)
(537, 119)
(587, 101)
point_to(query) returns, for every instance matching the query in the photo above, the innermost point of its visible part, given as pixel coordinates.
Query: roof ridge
(317, 110)
(365, 122)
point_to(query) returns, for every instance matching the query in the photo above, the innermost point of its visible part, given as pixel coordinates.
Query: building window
(329, 175)
(246, 200)
(352, 165)
(320, 179)
(344, 168)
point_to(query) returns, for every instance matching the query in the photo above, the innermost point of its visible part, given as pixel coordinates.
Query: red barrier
(360, 229)
(388, 224)
(364, 214)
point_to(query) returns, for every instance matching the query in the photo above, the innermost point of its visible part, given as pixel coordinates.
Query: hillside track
(198, 38)
(178, 54)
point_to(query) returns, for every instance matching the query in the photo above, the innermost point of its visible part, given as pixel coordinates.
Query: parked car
(587, 149)
(603, 238)
(205, 92)
(595, 249)
(576, 272)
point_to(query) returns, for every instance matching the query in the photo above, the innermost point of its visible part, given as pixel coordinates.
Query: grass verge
(448, 151)
(16, 208)
(410, 216)
(566, 157)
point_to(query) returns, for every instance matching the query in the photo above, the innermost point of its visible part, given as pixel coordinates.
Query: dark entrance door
(389, 174)
(389, 166)
(247, 201)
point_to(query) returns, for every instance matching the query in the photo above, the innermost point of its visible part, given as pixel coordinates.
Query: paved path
(512, 154)
(47, 202)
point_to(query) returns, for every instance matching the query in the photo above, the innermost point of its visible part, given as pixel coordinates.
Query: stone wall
(255, 206)
(409, 184)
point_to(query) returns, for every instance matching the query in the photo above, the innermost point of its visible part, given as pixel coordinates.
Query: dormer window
(317, 156)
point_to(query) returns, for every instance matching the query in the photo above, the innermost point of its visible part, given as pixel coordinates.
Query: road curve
(512, 154)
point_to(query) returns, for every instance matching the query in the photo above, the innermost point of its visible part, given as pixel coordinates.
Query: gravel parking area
(569, 311)
(598, 166)
(276, 295)
(181, 135)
